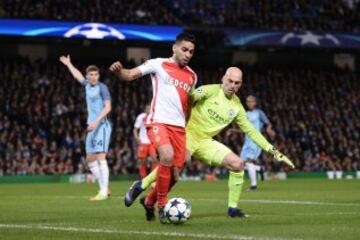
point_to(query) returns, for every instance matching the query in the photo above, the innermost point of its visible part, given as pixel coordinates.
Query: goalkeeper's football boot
(99, 197)
(149, 210)
(162, 216)
(236, 213)
(134, 191)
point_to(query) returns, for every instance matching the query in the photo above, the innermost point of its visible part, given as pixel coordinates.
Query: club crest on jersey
(231, 113)
(199, 90)
(155, 129)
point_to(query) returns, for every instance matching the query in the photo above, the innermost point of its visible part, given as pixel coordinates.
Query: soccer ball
(177, 210)
(94, 31)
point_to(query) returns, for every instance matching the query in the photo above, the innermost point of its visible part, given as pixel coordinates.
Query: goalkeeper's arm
(246, 126)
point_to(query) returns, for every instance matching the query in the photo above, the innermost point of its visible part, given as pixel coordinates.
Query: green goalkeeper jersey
(213, 111)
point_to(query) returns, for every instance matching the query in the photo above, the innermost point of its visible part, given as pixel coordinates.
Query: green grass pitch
(292, 209)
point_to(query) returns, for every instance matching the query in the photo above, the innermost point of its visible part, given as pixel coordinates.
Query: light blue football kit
(250, 150)
(97, 141)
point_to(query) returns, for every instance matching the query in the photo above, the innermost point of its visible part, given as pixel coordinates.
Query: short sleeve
(104, 91)
(138, 121)
(147, 67)
(85, 82)
(263, 117)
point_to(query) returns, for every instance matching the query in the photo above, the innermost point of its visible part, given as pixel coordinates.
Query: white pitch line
(131, 232)
(300, 202)
(327, 213)
(265, 201)
(283, 202)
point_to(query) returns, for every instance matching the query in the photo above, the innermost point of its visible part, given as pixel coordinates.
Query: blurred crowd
(119, 11)
(315, 114)
(326, 15)
(43, 119)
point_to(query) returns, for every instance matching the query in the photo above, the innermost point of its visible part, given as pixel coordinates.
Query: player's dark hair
(251, 95)
(92, 68)
(184, 36)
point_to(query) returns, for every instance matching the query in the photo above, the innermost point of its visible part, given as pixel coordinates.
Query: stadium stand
(326, 15)
(124, 11)
(43, 118)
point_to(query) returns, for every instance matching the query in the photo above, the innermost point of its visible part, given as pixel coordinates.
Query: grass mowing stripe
(295, 202)
(130, 232)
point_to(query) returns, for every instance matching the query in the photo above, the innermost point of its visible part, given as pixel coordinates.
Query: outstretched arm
(269, 130)
(73, 70)
(125, 74)
(246, 126)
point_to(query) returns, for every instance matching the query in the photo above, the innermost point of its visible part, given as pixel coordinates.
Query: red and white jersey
(171, 86)
(140, 123)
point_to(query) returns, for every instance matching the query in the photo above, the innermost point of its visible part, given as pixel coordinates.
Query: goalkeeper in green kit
(215, 107)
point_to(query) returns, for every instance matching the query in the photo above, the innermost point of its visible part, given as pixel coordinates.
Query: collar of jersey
(177, 65)
(95, 84)
(223, 94)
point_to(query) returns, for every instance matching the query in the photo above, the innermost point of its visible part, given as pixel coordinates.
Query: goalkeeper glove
(281, 157)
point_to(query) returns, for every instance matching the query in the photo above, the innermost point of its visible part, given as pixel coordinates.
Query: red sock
(154, 165)
(142, 170)
(163, 184)
(151, 198)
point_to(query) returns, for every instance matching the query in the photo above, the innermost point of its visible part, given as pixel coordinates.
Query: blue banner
(293, 39)
(91, 30)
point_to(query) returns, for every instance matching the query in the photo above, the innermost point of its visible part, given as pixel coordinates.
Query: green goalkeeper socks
(236, 180)
(149, 179)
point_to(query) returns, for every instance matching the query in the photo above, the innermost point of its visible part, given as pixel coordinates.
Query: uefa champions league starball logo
(94, 31)
(310, 38)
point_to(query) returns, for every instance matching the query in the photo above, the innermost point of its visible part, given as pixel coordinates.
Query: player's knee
(238, 166)
(167, 157)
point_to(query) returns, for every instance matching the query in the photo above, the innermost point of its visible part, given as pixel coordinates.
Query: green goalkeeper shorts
(207, 150)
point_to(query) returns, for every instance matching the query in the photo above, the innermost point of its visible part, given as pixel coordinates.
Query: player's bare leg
(236, 179)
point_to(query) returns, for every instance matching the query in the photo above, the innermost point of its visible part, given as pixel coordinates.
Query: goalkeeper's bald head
(232, 81)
